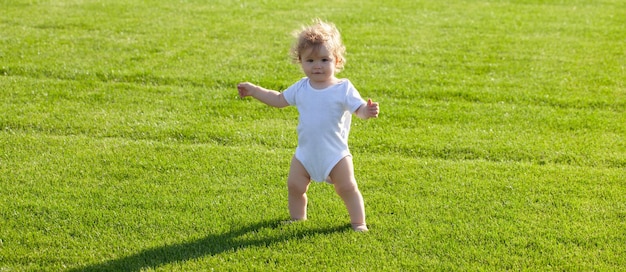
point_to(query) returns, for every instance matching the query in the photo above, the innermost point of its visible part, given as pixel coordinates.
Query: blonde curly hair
(319, 34)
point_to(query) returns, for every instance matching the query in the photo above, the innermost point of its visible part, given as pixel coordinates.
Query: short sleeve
(291, 92)
(353, 98)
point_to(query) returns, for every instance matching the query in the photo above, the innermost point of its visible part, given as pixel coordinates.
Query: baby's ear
(336, 58)
(338, 63)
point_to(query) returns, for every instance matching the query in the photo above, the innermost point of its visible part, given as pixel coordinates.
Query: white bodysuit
(324, 124)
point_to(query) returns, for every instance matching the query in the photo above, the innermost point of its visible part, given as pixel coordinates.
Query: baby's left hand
(371, 109)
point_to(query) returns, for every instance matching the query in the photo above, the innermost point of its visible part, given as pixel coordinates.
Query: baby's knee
(346, 188)
(297, 187)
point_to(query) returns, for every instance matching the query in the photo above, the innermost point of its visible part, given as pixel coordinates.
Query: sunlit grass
(123, 146)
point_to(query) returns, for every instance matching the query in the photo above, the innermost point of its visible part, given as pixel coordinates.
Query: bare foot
(360, 227)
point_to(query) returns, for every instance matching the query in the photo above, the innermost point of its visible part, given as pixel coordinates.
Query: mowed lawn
(124, 147)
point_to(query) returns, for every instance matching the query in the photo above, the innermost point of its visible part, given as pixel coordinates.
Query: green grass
(500, 145)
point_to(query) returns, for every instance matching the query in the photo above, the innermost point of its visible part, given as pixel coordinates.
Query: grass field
(124, 147)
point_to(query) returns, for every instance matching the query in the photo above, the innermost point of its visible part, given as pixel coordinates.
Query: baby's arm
(269, 97)
(370, 110)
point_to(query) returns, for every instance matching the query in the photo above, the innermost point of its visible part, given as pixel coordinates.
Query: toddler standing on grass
(325, 105)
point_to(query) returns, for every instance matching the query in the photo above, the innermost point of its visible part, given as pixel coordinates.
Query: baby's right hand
(245, 89)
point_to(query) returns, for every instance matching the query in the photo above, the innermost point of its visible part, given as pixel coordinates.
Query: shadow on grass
(207, 246)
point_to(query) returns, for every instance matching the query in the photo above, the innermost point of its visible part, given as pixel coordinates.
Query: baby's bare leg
(297, 184)
(345, 186)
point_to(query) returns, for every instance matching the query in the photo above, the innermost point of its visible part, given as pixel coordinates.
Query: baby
(325, 105)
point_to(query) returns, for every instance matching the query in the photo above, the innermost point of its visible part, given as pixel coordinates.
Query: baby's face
(318, 64)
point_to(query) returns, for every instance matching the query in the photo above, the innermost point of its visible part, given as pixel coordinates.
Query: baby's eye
(325, 60)
(309, 60)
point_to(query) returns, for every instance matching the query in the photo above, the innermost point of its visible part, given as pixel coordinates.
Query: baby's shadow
(207, 246)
